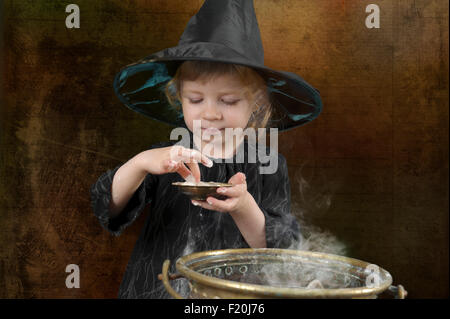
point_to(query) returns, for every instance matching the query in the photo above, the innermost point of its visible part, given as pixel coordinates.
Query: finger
(190, 158)
(238, 178)
(180, 154)
(234, 191)
(219, 205)
(196, 203)
(187, 155)
(197, 157)
(204, 204)
(175, 153)
(170, 166)
(195, 170)
(206, 161)
(173, 166)
(183, 170)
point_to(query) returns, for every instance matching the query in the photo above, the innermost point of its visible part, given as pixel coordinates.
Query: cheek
(187, 115)
(238, 119)
(188, 112)
(246, 111)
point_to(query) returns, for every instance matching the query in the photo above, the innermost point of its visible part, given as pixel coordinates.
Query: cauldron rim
(182, 266)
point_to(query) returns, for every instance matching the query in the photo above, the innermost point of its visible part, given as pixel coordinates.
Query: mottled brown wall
(372, 169)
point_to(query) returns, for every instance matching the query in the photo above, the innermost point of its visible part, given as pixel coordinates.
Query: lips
(212, 130)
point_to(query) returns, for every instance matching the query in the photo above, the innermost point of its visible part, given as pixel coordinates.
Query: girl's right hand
(173, 159)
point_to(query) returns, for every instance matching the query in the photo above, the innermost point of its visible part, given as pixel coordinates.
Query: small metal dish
(202, 190)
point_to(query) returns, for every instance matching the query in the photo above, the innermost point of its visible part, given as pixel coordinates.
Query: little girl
(220, 94)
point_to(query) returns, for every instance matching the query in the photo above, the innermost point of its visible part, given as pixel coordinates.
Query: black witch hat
(222, 31)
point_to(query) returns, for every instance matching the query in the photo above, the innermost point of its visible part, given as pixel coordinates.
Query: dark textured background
(372, 169)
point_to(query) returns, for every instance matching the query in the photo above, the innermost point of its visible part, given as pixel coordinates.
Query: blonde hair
(255, 86)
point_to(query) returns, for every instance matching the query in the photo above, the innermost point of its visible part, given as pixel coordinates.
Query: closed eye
(225, 102)
(231, 102)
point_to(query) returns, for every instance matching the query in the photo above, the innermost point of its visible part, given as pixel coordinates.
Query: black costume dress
(175, 227)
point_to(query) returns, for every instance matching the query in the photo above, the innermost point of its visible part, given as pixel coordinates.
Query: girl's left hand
(238, 197)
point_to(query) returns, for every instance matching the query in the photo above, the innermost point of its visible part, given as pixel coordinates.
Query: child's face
(219, 103)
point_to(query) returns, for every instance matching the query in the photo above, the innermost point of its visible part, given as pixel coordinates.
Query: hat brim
(141, 87)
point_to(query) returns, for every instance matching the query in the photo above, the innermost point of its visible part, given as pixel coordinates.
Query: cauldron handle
(399, 292)
(165, 277)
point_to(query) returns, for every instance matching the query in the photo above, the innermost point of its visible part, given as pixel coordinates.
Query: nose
(211, 112)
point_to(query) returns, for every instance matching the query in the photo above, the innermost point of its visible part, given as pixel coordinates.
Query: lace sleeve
(101, 196)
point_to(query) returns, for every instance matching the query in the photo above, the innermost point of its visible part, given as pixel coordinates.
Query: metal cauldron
(278, 273)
